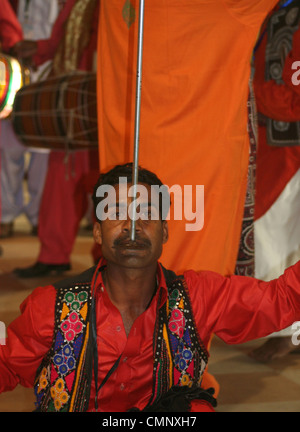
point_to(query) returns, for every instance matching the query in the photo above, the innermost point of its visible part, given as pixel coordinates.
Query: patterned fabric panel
(180, 356)
(60, 380)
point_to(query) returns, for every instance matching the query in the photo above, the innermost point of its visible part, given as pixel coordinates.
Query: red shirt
(236, 308)
(10, 28)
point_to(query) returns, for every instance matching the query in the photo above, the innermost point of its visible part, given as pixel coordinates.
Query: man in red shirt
(125, 333)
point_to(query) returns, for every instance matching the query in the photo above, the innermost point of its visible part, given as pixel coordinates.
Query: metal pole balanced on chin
(135, 166)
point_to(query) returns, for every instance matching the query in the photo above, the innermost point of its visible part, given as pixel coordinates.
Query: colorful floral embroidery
(177, 322)
(55, 389)
(186, 380)
(180, 346)
(180, 340)
(59, 395)
(72, 326)
(64, 360)
(43, 380)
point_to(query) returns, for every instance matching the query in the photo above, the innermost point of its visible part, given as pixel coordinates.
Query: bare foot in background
(274, 348)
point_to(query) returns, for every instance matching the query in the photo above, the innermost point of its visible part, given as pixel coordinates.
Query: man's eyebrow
(113, 205)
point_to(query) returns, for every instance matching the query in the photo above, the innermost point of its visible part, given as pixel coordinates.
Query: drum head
(12, 77)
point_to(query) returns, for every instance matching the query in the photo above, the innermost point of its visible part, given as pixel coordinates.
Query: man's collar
(162, 285)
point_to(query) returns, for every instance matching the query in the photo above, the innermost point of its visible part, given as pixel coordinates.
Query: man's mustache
(125, 241)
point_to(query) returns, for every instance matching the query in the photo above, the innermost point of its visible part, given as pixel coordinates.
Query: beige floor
(245, 385)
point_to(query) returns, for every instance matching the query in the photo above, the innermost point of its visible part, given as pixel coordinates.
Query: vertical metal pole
(135, 167)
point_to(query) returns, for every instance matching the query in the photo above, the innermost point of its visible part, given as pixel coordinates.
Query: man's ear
(97, 233)
(165, 232)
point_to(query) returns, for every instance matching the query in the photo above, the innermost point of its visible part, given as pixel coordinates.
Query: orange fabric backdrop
(196, 67)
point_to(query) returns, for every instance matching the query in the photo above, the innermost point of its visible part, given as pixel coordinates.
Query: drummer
(36, 18)
(10, 34)
(65, 200)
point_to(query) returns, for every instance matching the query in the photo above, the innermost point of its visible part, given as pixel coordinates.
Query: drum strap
(76, 38)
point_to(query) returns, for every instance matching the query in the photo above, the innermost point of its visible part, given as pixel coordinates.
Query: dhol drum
(59, 113)
(12, 77)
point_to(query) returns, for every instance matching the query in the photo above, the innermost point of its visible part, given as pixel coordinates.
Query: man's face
(114, 233)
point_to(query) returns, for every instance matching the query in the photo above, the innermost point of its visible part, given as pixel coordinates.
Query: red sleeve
(239, 308)
(29, 338)
(47, 47)
(10, 28)
(277, 101)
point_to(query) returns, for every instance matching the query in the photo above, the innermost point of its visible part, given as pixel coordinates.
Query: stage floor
(245, 385)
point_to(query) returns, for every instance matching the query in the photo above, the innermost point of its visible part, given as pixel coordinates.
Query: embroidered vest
(64, 377)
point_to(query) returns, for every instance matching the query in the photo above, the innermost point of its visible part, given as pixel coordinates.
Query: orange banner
(196, 68)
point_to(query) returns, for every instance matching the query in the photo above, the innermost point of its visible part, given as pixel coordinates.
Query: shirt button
(118, 328)
(125, 359)
(122, 387)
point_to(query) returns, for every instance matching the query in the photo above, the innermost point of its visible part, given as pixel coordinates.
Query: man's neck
(130, 290)
(130, 287)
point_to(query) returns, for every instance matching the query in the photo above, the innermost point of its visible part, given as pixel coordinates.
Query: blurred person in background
(36, 18)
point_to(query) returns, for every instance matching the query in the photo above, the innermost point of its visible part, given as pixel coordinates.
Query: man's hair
(145, 176)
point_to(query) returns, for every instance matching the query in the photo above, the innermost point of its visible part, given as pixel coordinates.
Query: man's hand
(24, 51)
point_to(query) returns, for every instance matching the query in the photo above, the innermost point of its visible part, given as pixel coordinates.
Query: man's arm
(29, 338)
(10, 28)
(239, 308)
(277, 101)
(43, 50)
(46, 48)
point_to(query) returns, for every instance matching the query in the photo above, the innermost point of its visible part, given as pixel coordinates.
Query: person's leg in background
(36, 176)
(12, 175)
(63, 205)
